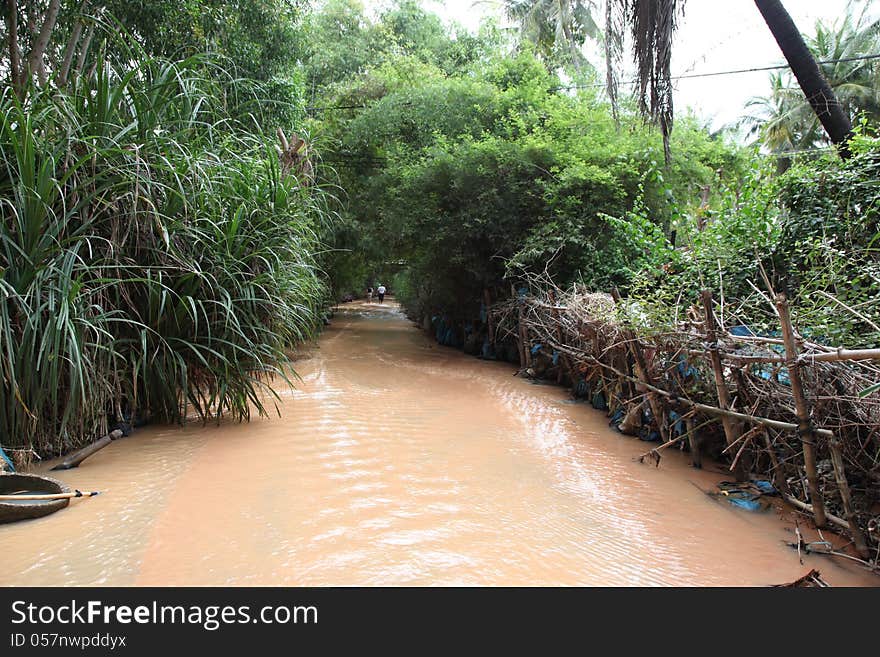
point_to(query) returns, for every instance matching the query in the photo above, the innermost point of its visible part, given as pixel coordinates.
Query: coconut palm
(853, 80)
(785, 122)
(557, 28)
(653, 23)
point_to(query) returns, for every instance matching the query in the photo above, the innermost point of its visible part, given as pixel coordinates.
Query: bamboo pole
(566, 363)
(642, 371)
(47, 496)
(840, 355)
(732, 429)
(803, 506)
(845, 497)
(805, 427)
(519, 322)
(487, 300)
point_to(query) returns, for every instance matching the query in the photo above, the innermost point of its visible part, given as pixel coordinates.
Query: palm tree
(806, 70)
(838, 47)
(785, 122)
(556, 27)
(653, 24)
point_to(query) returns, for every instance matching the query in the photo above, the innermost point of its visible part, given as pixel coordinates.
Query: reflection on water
(397, 461)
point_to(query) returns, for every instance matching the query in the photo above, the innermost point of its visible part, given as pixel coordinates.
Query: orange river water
(400, 462)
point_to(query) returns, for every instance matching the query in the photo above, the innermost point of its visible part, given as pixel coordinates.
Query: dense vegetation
(471, 173)
(156, 254)
(476, 175)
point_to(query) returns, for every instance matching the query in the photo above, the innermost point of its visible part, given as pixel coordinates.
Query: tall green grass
(153, 258)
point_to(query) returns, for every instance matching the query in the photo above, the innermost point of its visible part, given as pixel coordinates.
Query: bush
(153, 256)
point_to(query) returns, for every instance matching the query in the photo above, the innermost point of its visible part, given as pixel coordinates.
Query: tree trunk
(35, 58)
(71, 46)
(14, 52)
(83, 53)
(809, 77)
(572, 48)
(612, 56)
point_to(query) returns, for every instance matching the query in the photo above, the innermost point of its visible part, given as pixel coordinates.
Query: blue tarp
(617, 416)
(7, 459)
(765, 371)
(678, 427)
(444, 333)
(742, 331)
(749, 505)
(685, 369)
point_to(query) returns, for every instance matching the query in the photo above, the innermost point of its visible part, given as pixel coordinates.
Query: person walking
(369, 295)
(381, 291)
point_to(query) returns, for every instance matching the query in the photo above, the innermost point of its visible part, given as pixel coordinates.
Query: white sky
(716, 35)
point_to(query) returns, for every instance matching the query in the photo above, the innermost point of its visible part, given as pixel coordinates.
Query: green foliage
(152, 255)
(344, 44)
(477, 176)
(829, 251)
(258, 39)
(812, 233)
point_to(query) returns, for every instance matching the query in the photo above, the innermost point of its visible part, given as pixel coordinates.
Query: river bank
(397, 461)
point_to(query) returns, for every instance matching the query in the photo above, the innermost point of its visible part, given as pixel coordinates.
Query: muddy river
(398, 461)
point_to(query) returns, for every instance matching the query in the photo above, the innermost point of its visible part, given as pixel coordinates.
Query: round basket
(24, 510)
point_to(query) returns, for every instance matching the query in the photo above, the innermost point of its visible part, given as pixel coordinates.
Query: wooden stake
(643, 373)
(693, 439)
(845, 497)
(778, 474)
(732, 428)
(566, 363)
(519, 315)
(487, 300)
(694, 443)
(805, 427)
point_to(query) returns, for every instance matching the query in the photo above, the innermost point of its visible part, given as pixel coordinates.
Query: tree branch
(35, 59)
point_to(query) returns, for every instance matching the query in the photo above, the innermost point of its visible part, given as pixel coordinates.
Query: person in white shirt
(381, 291)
